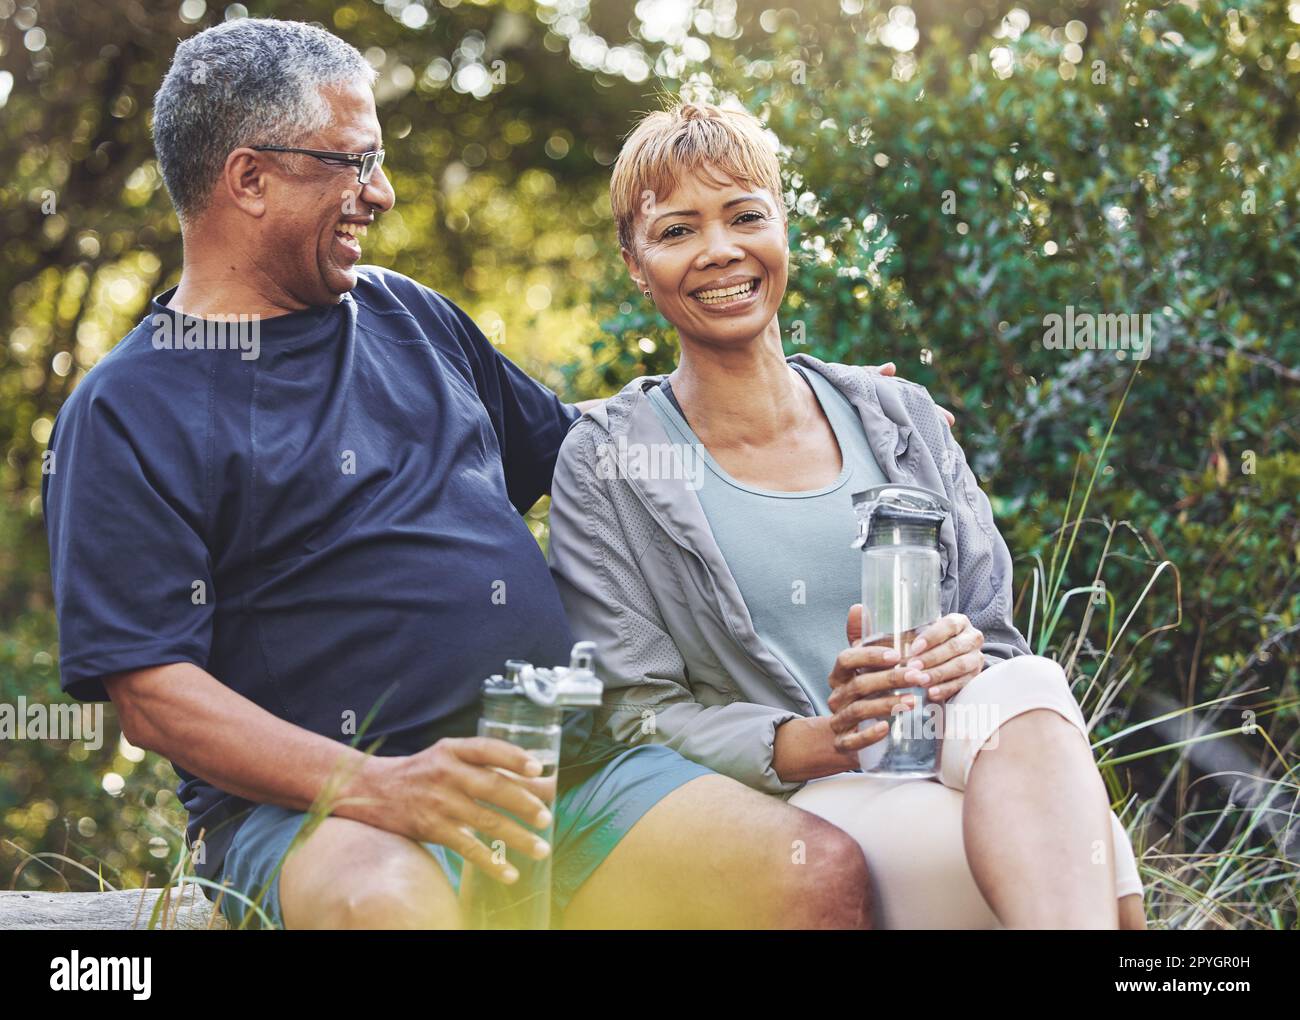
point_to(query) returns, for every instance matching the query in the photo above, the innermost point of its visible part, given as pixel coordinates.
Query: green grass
(1250, 882)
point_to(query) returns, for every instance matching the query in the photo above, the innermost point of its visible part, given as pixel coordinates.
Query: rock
(187, 909)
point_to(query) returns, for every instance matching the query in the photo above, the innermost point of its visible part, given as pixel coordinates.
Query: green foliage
(940, 209)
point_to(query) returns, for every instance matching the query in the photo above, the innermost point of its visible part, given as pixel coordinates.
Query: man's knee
(394, 901)
(351, 875)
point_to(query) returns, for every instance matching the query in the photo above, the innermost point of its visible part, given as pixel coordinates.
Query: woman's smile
(729, 296)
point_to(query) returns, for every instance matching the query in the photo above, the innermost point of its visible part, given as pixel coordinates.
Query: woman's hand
(943, 658)
(860, 676)
(947, 655)
(805, 749)
(818, 746)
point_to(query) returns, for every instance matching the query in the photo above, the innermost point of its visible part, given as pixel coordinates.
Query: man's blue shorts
(590, 818)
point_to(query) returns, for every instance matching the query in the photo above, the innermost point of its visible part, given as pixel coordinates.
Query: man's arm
(187, 715)
(889, 368)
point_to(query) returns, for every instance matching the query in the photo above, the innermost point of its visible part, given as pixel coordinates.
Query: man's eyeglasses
(365, 162)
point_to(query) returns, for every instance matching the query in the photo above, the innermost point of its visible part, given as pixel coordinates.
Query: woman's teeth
(726, 295)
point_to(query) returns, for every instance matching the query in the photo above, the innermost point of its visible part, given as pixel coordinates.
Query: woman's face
(714, 257)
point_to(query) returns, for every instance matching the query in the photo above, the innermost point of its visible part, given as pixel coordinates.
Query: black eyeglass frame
(365, 162)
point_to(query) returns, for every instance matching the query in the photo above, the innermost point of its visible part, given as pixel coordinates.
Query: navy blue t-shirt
(330, 527)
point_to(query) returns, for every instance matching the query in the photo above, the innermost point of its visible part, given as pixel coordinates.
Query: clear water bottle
(525, 707)
(898, 533)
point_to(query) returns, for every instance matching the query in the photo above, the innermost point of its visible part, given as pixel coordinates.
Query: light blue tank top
(791, 552)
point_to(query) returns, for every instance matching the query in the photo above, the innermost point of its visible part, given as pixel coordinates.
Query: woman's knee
(1024, 702)
(1032, 692)
(1132, 913)
(1037, 670)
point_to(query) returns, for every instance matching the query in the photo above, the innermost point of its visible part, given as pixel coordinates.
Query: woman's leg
(910, 831)
(914, 833)
(1042, 843)
(1036, 827)
(1132, 914)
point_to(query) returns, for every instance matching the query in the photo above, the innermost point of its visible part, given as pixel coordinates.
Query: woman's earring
(646, 293)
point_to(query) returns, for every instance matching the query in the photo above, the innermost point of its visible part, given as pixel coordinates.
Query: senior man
(261, 548)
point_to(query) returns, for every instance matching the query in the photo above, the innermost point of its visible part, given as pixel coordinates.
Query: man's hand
(441, 787)
(888, 368)
(185, 714)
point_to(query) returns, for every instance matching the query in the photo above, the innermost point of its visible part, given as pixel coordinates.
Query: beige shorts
(911, 830)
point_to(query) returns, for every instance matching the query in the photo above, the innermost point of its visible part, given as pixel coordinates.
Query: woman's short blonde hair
(669, 144)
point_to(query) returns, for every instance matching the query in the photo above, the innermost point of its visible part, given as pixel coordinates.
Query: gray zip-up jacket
(640, 573)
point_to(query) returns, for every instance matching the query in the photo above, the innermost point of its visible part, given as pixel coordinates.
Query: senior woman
(700, 532)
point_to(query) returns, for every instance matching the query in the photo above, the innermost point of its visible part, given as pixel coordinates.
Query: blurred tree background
(955, 170)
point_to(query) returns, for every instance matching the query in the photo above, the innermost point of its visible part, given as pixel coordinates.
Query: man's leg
(347, 874)
(714, 853)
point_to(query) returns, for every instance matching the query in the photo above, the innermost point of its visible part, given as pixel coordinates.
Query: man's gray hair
(252, 81)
